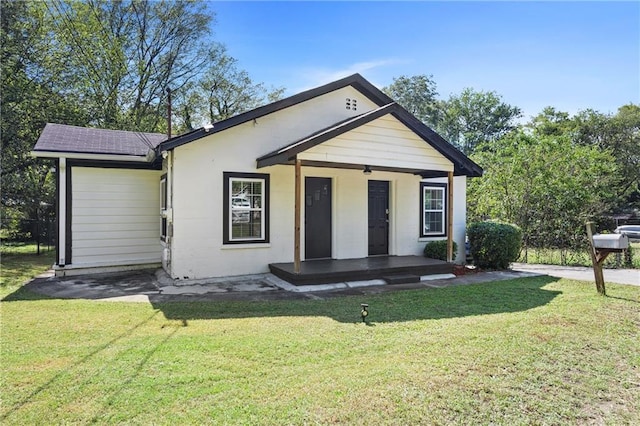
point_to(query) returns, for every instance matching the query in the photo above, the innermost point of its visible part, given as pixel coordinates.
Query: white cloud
(314, 77)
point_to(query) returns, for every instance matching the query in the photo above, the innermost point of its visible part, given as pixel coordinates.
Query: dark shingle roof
(63, 138)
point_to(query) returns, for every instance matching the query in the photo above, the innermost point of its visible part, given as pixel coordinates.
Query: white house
(337, 172)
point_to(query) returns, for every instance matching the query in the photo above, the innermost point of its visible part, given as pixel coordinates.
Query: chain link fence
(41, 233)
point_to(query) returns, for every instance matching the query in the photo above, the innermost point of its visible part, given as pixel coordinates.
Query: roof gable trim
(356, 81)
(286, 153)
(462, 164)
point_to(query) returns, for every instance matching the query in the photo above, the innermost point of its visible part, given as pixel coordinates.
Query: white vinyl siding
(383, 142)
(115, 218)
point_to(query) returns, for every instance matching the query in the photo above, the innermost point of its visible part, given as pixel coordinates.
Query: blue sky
(570, 55)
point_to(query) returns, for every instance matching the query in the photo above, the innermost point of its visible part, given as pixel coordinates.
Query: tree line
(549, 175)
(107, 64)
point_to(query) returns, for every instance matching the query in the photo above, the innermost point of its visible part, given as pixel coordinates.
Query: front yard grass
(526, 351)
(19, 263)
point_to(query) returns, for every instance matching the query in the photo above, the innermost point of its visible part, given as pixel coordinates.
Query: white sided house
(336, 172)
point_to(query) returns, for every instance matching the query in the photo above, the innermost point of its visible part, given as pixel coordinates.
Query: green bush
(438, 249)
(494, 245)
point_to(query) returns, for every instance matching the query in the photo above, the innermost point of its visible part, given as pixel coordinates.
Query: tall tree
(620, 134)
(96, 63)
(472, 117)
(617, 133)
(417, 94)
(28, 102)
(465, 120)
(551, 122)
(222, 91)
(122, 56)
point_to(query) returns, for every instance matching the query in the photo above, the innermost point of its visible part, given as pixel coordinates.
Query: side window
(163, 207)
(246, 208)
(432, 209)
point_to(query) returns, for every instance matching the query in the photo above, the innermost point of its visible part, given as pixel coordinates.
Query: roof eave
(355, 80)
(94, 156)
(462, 164)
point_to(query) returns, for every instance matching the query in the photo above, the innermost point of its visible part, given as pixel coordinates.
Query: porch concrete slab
(286, 286)
(192, 289)
(364, 283)
(313, 288)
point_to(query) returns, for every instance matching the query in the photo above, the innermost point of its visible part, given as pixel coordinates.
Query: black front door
(317, 218)
(378, 217)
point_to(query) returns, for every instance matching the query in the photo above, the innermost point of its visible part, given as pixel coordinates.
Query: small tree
(547, 185)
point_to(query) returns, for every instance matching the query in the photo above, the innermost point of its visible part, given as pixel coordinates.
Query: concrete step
(402, 279)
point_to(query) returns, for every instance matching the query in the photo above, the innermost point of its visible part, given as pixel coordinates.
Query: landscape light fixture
(367, 170)
(364, 312)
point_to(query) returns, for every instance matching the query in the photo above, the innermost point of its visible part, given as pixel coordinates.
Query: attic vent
(352, 104)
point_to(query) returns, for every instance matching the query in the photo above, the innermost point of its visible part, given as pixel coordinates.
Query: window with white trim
(432, 209)
(246, 208)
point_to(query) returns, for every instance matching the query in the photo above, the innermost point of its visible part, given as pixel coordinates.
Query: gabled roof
(84, 140)
(462, 164)
(355, 80)
(59, 138)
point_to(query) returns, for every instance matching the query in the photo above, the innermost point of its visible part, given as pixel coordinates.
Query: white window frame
(442, 188)
(231, 210)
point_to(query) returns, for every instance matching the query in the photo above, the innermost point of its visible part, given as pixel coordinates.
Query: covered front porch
(392, 269)
(396, 154)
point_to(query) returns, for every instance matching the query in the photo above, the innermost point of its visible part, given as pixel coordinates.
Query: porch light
(367, 170)
(365, 311)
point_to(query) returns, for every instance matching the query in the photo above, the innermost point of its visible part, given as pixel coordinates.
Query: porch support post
(296, 231)
(450, 217)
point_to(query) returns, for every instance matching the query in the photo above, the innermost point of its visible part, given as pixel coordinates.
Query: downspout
(62, 210)
(170, 206)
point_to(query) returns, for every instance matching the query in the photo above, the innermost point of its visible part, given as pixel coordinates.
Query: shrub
(494, 245)
(438, 249)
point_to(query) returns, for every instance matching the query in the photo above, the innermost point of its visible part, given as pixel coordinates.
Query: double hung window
(432, 209)
(246, 208)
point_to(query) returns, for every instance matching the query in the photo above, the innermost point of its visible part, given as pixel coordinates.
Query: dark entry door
(317, 218)
(378, 217)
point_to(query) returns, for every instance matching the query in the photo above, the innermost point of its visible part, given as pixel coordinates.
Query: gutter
(98, 157)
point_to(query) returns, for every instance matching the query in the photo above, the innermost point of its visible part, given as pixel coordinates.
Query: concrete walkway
(155, 286)
(618, 276)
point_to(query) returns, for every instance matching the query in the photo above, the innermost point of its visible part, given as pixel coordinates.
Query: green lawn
(527, 351)
(18, 263)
